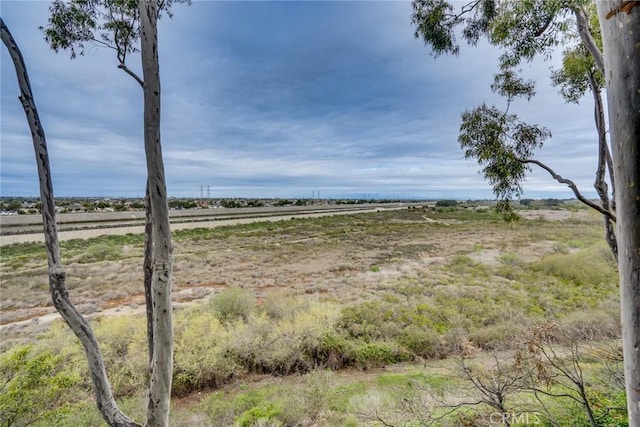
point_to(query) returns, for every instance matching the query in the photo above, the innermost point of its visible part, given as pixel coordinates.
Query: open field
(28, 228)
(383, 299)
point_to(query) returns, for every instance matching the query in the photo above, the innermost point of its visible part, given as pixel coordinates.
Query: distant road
(28, 228)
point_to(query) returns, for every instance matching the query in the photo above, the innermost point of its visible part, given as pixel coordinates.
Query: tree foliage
(500, 141)
(32, 387)
(596, 46)
(115, 24)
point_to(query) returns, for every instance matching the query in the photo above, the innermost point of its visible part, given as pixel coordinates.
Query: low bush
(333, 351)
(378, 354)
(590, 326)
(264, 415)
(280, 305)
(123, 342)
(100, 252)
(500, 336)
(388, 319)
(233, 303)
(200, 343)
(284, 346)
(371, 320)
(421, 341)
(592, 266)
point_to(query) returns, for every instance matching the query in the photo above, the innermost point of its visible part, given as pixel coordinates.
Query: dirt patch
(554, 215)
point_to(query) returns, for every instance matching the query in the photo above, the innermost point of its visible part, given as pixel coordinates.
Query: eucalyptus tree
(117, 24)
(57, 276)
(606, 50)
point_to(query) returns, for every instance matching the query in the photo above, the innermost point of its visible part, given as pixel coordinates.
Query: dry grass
(329, 257)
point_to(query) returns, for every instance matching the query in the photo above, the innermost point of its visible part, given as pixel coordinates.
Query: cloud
(273, 99)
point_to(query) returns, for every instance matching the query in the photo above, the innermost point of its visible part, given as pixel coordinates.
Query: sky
(276, 99)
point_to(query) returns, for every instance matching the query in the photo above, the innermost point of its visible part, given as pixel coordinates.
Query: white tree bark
(57, 284)
(620, 25)
(161, 368)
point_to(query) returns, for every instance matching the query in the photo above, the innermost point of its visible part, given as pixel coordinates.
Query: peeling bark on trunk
(619, 22)
(59, 294)
(161, 368)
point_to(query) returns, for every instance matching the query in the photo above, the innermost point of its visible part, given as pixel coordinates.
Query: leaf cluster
(110, 23)
(114, 24)
(500, 141)
(523, 28)
(32, 386)
(436, 23)
(529, 28)
(573, 78)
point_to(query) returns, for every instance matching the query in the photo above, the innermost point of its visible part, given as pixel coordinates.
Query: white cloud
(274, 98)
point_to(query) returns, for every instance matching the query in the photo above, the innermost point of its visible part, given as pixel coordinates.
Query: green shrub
(511, 259)
(334, 351)
(257, 406)
(463, 264)
(263, 415)
(34, 387)
(455, 341)
(370, 320)
(378, 354)
(285, 346)
(588, 266)
(123, 343)
(83, 413)
(421, 341)
(497, 337)
(200, 344)
(593, 325)
(233, 303)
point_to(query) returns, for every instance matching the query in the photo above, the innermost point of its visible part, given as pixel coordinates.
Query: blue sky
(275, 99)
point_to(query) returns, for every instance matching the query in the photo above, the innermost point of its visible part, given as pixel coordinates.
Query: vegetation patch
(285, 311)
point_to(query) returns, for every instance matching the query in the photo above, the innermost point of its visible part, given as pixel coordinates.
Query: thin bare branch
(572, 185)
(124, 68)
(103, 43)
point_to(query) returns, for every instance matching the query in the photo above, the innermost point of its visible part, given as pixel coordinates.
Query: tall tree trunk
(604, 162)
(57, 276)
(620, 25)
(161, 368)
(148, 272)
